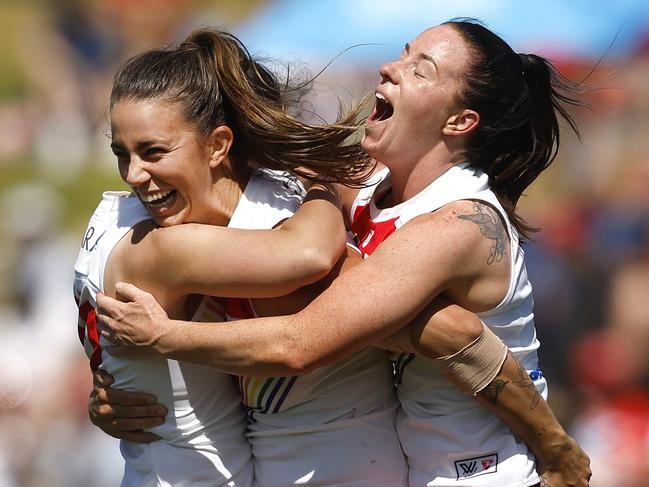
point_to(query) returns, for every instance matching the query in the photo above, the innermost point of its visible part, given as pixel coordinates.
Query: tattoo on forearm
(493, 390)
(525, 382)
(491, 227)
(496, 387)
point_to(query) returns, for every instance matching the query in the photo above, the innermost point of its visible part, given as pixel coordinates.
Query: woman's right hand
(122, 414)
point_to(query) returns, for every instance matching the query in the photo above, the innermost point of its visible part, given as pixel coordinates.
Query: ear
(219, 144)
(461, 123)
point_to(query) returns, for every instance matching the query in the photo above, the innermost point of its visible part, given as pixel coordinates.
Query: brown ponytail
(216, 81)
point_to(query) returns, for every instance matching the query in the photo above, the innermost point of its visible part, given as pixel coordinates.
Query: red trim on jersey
(89, 316)
(239, 308)
(368, 232)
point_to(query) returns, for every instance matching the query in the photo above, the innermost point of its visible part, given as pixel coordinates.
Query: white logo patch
(473, 467)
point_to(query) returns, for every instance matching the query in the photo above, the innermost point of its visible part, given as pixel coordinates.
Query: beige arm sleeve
(477, 364)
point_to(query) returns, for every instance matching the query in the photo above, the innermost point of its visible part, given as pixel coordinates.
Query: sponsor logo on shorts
(473, 467)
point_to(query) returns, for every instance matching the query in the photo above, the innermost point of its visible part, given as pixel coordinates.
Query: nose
(388, 72)
(136, 173)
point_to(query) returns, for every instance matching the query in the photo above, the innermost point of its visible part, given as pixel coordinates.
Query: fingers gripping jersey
(203, 443)
(334, 426)
(448, 438)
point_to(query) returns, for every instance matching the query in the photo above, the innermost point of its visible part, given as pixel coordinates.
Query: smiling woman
(200, 134)
(169, 165)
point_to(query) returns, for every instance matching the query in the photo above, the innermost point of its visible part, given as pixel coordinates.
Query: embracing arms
(363, 305)
(436, 253)
(174, 262)
(366, 304)
(205, 259)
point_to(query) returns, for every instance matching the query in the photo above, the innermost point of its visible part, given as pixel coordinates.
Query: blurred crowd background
(589, 265)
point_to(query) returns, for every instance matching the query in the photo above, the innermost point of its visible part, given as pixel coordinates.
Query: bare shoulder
(467, 229)
(131, 254)
(488, 221)
(138, 259)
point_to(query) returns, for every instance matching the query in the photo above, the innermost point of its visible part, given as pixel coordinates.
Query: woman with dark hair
(463, 125)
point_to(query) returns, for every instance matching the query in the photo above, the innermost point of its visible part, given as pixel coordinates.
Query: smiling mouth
(382, 110)
(158, 200)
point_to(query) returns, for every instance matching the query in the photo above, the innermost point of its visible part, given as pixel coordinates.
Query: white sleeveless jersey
(332, 427)
(448, 438)
(203, 441)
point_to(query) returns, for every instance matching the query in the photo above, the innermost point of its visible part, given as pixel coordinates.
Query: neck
(226, 193)
(409, 180)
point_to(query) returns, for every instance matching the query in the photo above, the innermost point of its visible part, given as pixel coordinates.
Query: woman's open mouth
(159, 199)
(382, 109)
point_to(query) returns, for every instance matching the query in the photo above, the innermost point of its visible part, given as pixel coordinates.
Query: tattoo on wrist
(491, 226)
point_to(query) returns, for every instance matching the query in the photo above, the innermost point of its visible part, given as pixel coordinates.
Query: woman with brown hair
(201, 132)
(464, 125)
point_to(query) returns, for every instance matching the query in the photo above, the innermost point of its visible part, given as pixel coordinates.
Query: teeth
(380, 96)
(157, 195)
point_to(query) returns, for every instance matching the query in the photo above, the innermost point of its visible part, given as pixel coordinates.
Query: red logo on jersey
(487, 463)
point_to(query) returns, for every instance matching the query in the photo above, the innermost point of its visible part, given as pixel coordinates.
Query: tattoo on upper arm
(491, 227)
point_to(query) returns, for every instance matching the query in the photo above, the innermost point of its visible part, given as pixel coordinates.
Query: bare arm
(366, 304)
(513, 397)
(174, 262)
(442, 329)
(206, 259)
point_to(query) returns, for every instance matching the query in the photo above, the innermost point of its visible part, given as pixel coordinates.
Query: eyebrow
(422, 55)
(139, 147)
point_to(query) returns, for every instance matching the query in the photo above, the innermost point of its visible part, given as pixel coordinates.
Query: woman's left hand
(567, 466)
(135, 325)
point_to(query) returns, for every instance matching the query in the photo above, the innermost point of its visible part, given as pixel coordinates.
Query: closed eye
(417, 72)
(154, 152)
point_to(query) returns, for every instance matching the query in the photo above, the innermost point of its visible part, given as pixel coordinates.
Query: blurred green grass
(81, 193)
(12, 80)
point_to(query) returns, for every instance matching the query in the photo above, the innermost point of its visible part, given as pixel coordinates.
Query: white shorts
(471, 448)
(160, 464)
(357, 452)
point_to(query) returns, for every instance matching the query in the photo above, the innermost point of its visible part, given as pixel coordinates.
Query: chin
(163, 222)
(371, 149)
(372, 139)
(169, 220)
(368, 145)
